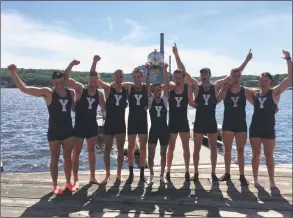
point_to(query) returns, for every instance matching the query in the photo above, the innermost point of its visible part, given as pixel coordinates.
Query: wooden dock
(29, 194)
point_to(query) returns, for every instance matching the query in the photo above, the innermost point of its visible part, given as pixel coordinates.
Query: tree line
(42, 77)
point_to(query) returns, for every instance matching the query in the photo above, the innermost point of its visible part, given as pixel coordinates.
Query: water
(24, 123)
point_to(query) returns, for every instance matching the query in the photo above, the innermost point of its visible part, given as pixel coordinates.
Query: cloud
(110, 24)
(136, 32)
(37, 45)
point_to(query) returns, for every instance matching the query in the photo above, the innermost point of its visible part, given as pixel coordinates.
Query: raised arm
(247, 59)
(249, 95)
(191, 100)
(191, 81)
(222, 93)
(166, 80)
(102, 101)
(219, 83)
(279, 89)
(30, 90)
(148, 80)
(67, 76)
(96, 59)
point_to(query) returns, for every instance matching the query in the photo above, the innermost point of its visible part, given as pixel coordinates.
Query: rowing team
(177, 95)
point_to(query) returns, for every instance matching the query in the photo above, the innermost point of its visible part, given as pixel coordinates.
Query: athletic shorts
(115, 128)
(137, 126)
(86, 131)
(234, 126)
(60, 134)
(178, 126)
(162, 136)
(257, 132)
(205, 127)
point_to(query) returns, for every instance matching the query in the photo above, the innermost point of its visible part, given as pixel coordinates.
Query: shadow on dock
(27, 196)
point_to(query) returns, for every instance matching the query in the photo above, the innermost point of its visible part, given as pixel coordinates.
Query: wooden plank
(84, 176)
(158, 212)
(145, 204)
(28, 195)
(198, 190)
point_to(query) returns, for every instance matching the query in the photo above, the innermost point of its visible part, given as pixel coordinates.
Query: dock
(29, 195)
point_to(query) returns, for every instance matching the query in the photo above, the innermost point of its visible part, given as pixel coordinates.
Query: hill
(42, 77)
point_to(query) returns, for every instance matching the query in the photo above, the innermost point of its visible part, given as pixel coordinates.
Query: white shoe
(150, 179)
(163, 180)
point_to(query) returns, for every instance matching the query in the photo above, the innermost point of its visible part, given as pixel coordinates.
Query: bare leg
(142, 142)
(67, 146)
(269, 147)
(227, 140)
(197, 138)
(152, 152)
(120, 147)
(108, 147)
(213, 146)
(131, 147)
(163, 159)
(171, 147)
(170, 151)
(185, 137)
(78, 142)
(256, 150)
(241, 138)
(91, 145)
(55, 154)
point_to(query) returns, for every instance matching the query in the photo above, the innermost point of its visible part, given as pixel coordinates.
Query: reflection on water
(24, 122)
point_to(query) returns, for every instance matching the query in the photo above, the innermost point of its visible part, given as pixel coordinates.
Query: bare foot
(75, 186)
(95, 181)
(120, 178)
(256, 183)
(163, 180)
(106, 180)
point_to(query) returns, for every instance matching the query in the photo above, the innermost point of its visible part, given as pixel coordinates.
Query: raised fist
(97, 58)
(12, 68)
(165, 66)
(174, 49)
(147, 65)
(75, 62)
(249, 56)
(286, 54)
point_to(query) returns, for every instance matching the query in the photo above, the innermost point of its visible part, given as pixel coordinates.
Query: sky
(218, 35)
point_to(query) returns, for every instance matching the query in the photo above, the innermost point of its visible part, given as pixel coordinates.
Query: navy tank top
(60, 111)
(86, 108)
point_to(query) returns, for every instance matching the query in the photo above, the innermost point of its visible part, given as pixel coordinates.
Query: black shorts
(205, 127)
(158, 134)
(114, 128)
(137, 126)
(86, 131)
(178, 126)
(234, 126)
(263, 133)
(60, 134)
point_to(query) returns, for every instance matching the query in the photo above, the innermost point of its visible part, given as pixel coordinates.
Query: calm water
(24, 123)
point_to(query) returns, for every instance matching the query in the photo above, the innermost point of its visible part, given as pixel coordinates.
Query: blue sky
(214, 34)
